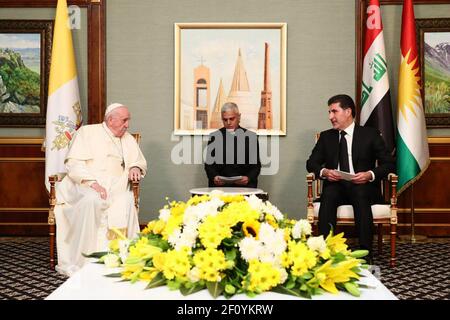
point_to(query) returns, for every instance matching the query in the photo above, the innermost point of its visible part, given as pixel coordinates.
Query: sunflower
(251, 228)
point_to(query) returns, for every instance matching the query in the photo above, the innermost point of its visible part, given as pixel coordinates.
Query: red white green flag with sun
(412, 145)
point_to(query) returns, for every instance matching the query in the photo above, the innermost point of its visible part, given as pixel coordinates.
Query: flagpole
(414, 238)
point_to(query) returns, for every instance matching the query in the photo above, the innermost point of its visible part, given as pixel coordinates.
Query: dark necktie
(343, 153)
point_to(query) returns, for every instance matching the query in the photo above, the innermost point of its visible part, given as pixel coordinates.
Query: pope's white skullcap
(113, 106)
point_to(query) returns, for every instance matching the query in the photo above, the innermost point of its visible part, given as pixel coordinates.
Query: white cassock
(83, 219)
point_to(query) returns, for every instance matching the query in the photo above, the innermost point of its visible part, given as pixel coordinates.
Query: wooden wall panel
(431, 194)
(23, 197)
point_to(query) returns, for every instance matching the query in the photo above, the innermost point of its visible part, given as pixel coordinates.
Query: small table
(232, 191)
(89, 283)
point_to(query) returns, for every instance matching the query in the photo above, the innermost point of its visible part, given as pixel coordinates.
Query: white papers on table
(230, 179)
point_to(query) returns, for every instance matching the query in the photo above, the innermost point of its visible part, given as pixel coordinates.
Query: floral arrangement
(231, 245)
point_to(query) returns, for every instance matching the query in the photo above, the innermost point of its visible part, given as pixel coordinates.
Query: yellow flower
(270, 219)
(287, 234)
(197, 199)
(210, 262)
(336, 243)
(159, 261)
(232, 198)
(173, 263)
(114, 245)
(262, 276)
(301, 258)
(212, 231)
(251, 228)
(148, 275)
(158, 227)
(142, 250)
(328, 275)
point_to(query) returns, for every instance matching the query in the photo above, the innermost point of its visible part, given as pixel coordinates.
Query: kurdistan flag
(412, 144)
(63, 105)
(376, 110)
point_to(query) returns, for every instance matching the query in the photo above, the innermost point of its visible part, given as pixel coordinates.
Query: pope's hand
(101, 191)
(135, 174)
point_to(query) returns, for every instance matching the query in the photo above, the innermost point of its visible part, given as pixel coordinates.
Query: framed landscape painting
(434, 47)
(244, 63)
(25, 48)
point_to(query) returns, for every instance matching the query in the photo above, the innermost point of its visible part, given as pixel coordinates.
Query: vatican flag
(63, 105)
(413, 156)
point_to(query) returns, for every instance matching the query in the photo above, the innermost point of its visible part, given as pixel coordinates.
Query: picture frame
(244, 63)
(25, 55)
(433, 39)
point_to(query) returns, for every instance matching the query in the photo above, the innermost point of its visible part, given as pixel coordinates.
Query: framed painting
(434, 52)
(244, 63)
(25, 48)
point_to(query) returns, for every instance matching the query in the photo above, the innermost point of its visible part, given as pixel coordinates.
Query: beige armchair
(54, 179)
(385, 213)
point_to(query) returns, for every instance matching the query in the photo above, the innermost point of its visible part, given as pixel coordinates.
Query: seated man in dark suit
(354, 149)
(232, 151)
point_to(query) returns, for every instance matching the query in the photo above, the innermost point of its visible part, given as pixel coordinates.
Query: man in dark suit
(354, 149)
(232, 151)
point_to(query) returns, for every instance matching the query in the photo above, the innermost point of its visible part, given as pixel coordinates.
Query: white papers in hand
(346, 175)
(230, 179)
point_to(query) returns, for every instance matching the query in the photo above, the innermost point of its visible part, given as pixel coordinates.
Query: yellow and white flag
(63, 105)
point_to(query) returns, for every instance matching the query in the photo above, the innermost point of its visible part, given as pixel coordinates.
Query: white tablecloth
(228, 190)
(89, 283)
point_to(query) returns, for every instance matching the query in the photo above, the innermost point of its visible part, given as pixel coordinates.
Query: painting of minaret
(265, 111)
(201, 97)
(240, 63)
(216, 117)
(241, 95)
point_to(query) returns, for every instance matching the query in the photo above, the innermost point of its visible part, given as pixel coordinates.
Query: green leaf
(338, 257)
(352, 288)
(95, 254)
(157, 281)
(214, 288)
(230, 254)
(114, 275)
(359, 253)
(193, 289)
(173, 284)
(284, 290)
(307, 276)
(290, 284)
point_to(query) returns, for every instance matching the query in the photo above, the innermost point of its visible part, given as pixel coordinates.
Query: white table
(89, 283)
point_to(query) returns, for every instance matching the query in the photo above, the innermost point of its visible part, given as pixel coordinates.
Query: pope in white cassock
(95, 195)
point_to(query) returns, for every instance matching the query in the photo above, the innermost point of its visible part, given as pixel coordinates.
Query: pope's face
(340, 118)
(231, 120)
(119, 122)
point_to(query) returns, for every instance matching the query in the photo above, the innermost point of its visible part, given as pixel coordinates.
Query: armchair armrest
(393, 179)
(310, 198)
(135, 189)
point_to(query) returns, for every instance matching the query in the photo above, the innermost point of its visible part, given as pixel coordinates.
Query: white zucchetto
(113, 106)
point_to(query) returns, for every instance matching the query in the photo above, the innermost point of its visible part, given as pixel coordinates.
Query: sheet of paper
(230, 179)
(346, 175)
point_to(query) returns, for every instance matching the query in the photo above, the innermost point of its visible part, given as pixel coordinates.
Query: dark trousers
(360, 196)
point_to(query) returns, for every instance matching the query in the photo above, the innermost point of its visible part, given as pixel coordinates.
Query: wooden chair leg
(393, 239)
(52, 234)
(380, 238)
(315, 229)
